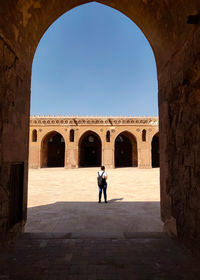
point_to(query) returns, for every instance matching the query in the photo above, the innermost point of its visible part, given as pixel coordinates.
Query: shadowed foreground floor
(135, 256)
(121, 240)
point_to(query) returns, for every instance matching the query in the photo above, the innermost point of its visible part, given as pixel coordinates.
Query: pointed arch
(155, 155)
(126, 154)
(108, 136)
(90, 149)
(53, 150)
(144, 135)
(71, 135)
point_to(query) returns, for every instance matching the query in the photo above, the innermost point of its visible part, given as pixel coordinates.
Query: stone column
(34, 155)
(108, 155)
(144, 154)
(71, 155)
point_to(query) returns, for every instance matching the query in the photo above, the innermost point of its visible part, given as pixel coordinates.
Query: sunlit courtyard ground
(63, 200)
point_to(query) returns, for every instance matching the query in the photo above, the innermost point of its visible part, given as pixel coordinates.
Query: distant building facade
(74, 142)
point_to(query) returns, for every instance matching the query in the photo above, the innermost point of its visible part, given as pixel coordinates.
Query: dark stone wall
(179, 101)
(14, 125)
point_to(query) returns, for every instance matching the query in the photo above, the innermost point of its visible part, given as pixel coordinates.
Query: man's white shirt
(100, 173)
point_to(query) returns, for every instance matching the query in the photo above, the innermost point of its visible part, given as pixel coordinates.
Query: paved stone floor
(121, 240)
(62, 200)
(136, 256)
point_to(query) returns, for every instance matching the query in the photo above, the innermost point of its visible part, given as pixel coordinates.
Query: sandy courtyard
(63, 200)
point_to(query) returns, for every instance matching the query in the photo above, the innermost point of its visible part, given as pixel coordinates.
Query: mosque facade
(74, 142)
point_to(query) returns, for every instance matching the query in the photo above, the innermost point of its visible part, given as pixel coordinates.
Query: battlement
(92, 120)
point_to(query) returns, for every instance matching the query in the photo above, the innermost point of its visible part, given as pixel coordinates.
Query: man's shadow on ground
(115, 199)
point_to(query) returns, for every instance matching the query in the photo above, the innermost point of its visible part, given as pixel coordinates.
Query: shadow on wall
(94, 217)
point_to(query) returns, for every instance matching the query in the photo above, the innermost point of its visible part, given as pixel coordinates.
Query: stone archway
(155, 157)
(53, 150)
(172, 28)
(90, 150)
(125, 150)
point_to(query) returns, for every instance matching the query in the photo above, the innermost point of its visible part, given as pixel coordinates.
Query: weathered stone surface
(182, 147)
(94, 257)
(14, 125)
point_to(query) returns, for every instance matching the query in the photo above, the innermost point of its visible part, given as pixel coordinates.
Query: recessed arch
(155, 155)
(144, 135)
(108, 136)
(71, 135)
(34, 135)
(53, 150)
(90, 149)
(126, 154)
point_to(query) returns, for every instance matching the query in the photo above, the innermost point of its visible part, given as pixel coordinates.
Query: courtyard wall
(142, 129)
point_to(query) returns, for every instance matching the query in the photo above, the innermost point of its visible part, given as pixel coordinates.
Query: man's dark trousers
(104, 189)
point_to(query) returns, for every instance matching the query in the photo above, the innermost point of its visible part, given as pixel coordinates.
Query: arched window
(71, 136)
(34, 135)
(144, 134)
(108, 136)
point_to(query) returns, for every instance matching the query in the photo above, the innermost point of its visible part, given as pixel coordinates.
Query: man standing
(101, 179)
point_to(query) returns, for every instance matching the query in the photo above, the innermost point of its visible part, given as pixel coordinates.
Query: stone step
(91, 235)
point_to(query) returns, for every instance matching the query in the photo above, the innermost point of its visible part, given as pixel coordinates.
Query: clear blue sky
(94, 61)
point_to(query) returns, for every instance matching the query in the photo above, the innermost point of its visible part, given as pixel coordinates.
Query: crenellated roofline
(92, 120)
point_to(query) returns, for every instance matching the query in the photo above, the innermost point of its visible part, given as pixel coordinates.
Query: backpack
(100, 180)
